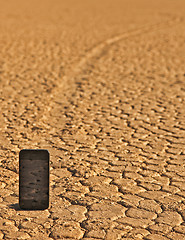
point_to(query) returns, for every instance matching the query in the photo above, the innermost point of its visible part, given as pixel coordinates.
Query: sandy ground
(101, 85)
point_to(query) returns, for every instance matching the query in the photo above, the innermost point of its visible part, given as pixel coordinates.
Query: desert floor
(101, 85)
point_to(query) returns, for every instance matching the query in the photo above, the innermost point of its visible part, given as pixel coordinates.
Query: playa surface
(101, 85)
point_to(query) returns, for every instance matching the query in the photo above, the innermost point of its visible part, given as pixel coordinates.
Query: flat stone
(72, 212)
(161, 228)
(96, 180)
(124, 182)
(150, 173)
(58, 190)
(115, 234)
(89, 238)
(113, 175)
(67, 230)
(40, 234)
(175, 235)
(6, 192)
(169, 218)
(170, 189)
(133, 175)
(150, 205)
(150, 186)
(171, 202)
(105, 191)
(2, 185)
(8, 225)
(28, 224)
(154, 195)
(162, 180)
(180, 229)
(140, 214)
(116, 168)
(96, 234)
(61, 172)
(132, 189)
(17, 235)
(74, 195)
(181, 193)
(131, 200)
(180, 185)
(175, 168)
(138, 233)
(132, 168)
(156, 236)
(135, 222)
(174, 176)
(106, 210)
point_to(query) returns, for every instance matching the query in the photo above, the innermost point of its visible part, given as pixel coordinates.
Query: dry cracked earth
(101, 85)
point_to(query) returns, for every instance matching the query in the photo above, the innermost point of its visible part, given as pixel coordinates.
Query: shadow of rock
(16, 207)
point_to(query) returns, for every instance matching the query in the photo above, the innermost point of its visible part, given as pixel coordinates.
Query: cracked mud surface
(101, 85)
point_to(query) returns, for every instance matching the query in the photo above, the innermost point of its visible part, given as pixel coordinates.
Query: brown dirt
(101, 85)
